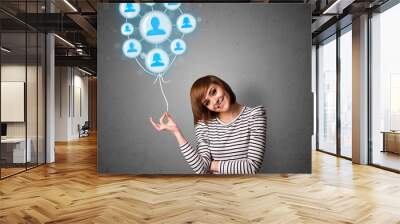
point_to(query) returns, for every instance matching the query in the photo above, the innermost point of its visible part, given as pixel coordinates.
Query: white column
(360, 90)
(50, 93)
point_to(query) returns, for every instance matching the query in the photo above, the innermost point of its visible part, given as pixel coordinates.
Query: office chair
(84, 130)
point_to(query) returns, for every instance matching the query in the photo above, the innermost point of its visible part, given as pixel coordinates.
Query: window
(385, 88)
(334, 138)
(327, 96)
(346, 93)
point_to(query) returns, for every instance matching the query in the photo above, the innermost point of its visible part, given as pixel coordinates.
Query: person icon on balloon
(129, 7)
(157, 61)
(156, 30)
(127, 29)
(131, 48)
(178, 47)
(186, 23)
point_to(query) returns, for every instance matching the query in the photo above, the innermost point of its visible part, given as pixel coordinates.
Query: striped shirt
(238, 145)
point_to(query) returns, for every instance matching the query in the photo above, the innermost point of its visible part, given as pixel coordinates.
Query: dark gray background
(262, 50)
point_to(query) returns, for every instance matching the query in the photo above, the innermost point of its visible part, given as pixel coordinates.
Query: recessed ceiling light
(64, 40)
(5, 50)
(338, 6)
(70, 5)
(84, 71)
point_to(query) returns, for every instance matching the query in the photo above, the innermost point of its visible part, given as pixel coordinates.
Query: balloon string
(145, 70)
(160, 79)
(155, 80)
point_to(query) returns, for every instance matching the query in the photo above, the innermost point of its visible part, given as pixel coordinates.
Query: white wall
(12, 73)
(15, 72)
(62, 81)
(79, 117)
(70, 83)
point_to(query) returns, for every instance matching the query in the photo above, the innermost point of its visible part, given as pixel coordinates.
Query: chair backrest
(86, 125)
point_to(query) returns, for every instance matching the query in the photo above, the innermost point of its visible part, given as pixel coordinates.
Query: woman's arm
(180, 138)
(255, 156)
(199, 159)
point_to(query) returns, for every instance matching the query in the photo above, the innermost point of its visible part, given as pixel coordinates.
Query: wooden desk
(15, 148)
(391, 141)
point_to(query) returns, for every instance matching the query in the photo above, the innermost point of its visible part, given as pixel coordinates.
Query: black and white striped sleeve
(255, 155)
(199, 158)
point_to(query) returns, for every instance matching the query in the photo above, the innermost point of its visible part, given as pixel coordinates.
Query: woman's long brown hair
(198, 91)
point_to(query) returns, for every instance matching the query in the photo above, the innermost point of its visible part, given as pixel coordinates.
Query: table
(391, 141)
(16, 147)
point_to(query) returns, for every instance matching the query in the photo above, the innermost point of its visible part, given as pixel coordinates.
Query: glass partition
(327, 95)
(22, 101)
(14, 153)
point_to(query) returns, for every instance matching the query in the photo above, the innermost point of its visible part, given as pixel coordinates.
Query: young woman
(230, 137)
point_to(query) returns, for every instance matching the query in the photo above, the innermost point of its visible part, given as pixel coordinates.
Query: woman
(230, 137)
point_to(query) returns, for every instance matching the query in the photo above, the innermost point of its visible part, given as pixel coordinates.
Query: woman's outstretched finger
(156, 126)
(152, 122)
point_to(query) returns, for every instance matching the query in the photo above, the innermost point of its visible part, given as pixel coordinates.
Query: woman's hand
(214, 167)
(170, 124)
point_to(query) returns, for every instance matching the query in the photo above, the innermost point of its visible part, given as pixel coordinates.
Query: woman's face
(216, 99)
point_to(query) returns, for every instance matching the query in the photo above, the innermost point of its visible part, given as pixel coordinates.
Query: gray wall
(262, 50)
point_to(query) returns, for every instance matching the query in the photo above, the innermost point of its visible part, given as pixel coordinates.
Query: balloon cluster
(155, 38)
